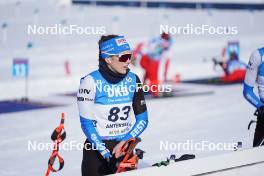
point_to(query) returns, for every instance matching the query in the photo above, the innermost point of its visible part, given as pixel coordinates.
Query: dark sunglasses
(124, 57)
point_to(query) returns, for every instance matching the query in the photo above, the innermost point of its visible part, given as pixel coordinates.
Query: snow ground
(220, 117)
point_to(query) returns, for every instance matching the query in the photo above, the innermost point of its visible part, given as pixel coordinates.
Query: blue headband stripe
(113, 46)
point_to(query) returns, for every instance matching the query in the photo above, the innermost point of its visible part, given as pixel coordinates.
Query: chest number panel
(114, 113)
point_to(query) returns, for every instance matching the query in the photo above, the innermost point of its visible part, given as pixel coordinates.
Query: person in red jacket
(234, 69)
(150, 54)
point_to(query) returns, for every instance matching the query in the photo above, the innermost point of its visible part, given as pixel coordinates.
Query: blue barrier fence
(177, 5)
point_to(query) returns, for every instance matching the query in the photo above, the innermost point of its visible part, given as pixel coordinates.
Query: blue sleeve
(91, 133)
(251, 97)
(140, 125)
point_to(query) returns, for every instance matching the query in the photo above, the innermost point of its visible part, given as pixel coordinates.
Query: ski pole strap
(131, 143)
(52, 159)
(130, 163)
(130, 160)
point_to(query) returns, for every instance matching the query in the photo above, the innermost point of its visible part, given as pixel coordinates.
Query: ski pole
(58, 135)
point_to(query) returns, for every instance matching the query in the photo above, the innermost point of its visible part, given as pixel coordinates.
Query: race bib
(114, 119)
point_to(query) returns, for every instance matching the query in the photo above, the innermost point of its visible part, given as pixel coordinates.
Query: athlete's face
(120, 63)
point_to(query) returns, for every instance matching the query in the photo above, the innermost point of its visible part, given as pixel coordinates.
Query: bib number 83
(113, 113)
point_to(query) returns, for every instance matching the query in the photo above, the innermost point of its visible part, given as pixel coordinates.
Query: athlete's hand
(117, 149)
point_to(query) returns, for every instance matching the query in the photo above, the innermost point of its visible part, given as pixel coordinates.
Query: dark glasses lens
(124, 57)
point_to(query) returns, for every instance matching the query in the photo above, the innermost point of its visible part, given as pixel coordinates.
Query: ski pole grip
(59, 133)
